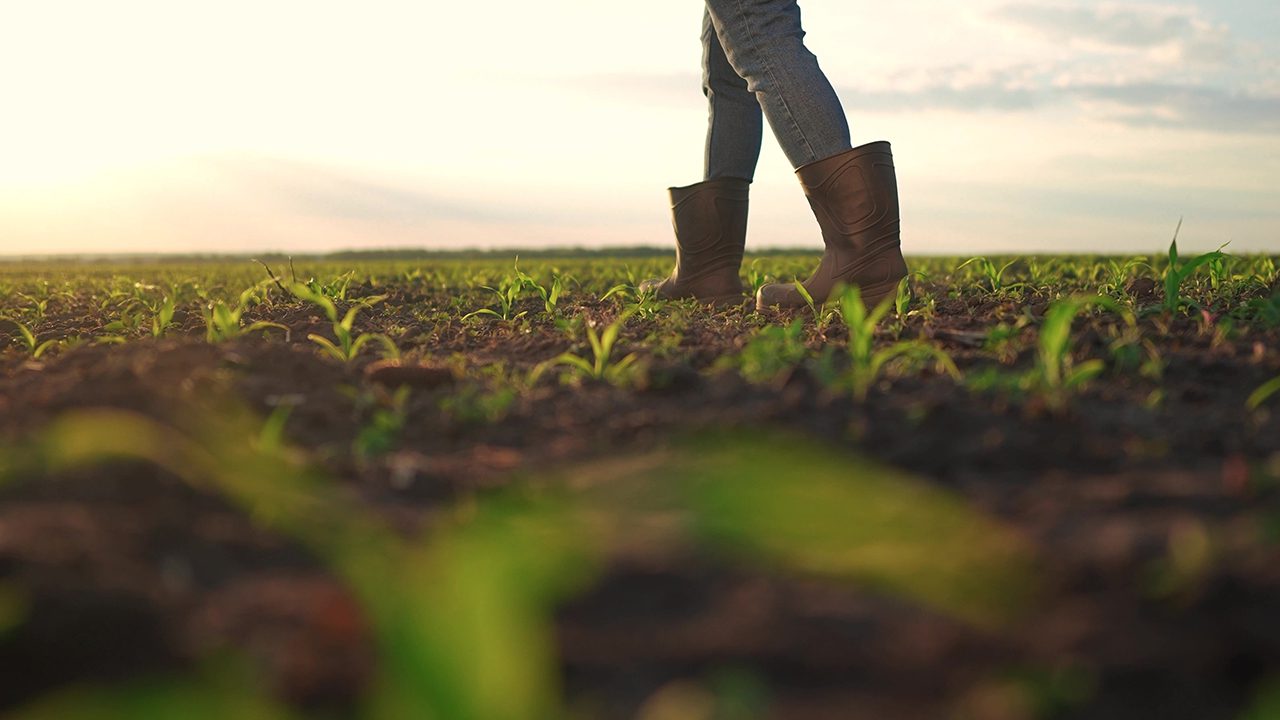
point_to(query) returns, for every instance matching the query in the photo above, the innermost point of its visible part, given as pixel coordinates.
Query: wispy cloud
(1180, 29)
(1140, 65)
(1137, 104)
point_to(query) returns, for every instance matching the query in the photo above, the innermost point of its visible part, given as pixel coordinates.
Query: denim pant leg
(764, 43)
(735, 125)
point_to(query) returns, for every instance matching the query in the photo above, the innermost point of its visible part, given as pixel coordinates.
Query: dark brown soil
(127, 570)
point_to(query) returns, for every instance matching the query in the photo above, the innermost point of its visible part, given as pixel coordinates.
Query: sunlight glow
(280, 124)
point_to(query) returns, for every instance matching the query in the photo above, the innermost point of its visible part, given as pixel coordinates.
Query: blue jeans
(754, 63)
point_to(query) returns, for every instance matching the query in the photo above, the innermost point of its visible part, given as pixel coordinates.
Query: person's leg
(735, 124)
(710, 217)
(764, 43)
(853, 191)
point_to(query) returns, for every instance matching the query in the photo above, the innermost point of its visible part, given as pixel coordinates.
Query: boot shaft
(854, 197)
(710, 224)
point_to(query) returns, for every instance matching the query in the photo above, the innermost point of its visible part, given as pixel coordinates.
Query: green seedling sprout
(622, 290)
(507, 293)
(129, 322)
(822, 316)
(223, 321)
(756, 279)
(1118, 274)
(162, 319)
(348, 344)
(866, 363)
(40, 304)
(29, 340)
(1178, 271)
(601, 365)
(335, 289)
(994, 274)
(550, 294)
(1055, 373)
(902, 300)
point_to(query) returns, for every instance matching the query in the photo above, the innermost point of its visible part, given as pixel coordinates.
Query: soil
(127, 570)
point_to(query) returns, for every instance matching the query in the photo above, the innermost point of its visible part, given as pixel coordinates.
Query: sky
(303, 126)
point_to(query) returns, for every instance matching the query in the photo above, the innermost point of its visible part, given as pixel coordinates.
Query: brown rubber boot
(710, 222)
(854, 195)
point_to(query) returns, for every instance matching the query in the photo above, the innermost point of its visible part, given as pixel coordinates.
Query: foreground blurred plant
(773, 350)
(464, 622)
(1263, 393)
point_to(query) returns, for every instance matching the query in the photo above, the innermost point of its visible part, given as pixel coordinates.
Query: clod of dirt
(393, 374)
(1142, 288)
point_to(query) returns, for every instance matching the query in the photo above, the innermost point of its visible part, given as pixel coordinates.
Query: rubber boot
(710, 222)
(854, 196)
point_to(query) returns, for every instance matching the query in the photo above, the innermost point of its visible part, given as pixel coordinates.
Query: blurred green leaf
(804, 507)
(216, 694)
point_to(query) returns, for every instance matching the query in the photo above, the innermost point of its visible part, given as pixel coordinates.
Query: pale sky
(256, 125)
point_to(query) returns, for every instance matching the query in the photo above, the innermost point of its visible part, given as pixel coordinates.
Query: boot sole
(872, 295)
(723, 301)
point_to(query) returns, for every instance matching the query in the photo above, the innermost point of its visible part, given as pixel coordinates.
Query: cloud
(1139, 104)
(1179, 29)
(1139, 65)
(1173, 105)
(1136, 64)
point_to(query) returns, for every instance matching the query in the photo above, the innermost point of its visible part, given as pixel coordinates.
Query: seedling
(601, 365)
(507, 293)
(756, 279)
(642, 303)
(128, 323)
(902, 300)
(1118, 274)
(822, 315)
(866, 363)
(993, 273)
(162, 318)
(1178, 271)
(1056, 375)
(223, 322)
(550, 294)
(33, 346)
(348, 344)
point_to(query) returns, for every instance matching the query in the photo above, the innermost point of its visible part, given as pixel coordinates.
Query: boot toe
(654, 285)
(779, 295)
